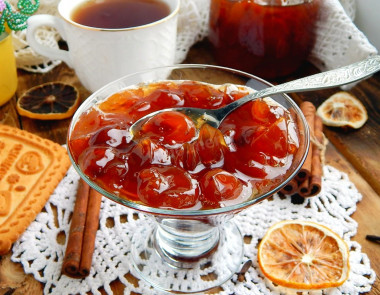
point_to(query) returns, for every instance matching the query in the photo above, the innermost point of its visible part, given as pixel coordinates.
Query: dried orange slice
(49, 101)
(303, 255)
(343, 109)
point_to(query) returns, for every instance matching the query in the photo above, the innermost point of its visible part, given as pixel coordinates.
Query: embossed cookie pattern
(20, 161)
(30, 169)
(29, 163)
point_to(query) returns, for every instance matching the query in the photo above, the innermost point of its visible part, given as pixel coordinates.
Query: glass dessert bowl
(189, 180)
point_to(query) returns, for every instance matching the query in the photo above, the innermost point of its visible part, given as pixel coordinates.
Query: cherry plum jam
(173, 165)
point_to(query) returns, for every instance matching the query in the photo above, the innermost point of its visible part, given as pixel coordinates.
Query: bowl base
(169, 274)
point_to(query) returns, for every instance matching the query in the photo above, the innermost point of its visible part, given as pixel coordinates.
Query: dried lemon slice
(343, 109)
(49, 101)
(303, 255)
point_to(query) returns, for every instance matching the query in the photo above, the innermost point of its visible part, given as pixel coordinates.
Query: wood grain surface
(355, 152)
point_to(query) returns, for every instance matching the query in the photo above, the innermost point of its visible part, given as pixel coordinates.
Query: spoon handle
(337, 77)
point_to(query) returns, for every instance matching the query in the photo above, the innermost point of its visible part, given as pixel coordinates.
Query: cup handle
(36, 21)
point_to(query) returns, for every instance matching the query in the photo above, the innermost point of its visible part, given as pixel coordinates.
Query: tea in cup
(108, 39)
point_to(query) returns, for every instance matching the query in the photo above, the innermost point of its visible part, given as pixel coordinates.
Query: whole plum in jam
(171, 164)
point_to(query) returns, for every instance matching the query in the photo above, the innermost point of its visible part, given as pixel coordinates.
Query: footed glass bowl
(201, 249)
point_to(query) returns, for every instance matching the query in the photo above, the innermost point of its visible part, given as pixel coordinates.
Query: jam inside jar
(267, 38)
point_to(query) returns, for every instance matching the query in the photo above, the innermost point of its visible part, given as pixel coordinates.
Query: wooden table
(355, 152)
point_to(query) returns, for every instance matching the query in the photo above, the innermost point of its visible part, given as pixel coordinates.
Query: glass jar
(267, 38)
(8, 69)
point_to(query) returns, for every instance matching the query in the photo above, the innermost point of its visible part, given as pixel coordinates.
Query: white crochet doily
(41, 254)
(339, 42)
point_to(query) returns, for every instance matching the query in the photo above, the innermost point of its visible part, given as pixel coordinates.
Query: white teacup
(100, 56)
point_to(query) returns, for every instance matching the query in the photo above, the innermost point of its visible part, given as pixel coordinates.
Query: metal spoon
(337, 77)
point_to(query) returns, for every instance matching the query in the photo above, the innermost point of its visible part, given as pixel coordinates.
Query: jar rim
(281, 2)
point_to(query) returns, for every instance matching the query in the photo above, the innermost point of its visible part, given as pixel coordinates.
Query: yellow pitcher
(8, 69)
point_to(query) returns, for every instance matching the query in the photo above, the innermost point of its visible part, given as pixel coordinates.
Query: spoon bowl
(337, 77)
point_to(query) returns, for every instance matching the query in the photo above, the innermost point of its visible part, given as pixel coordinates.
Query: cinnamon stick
(290, 188)
(304, 188)
(308, 109)
(308, 181)
(92, 224)
(316, 166)
(72, 257)
(84, 225)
